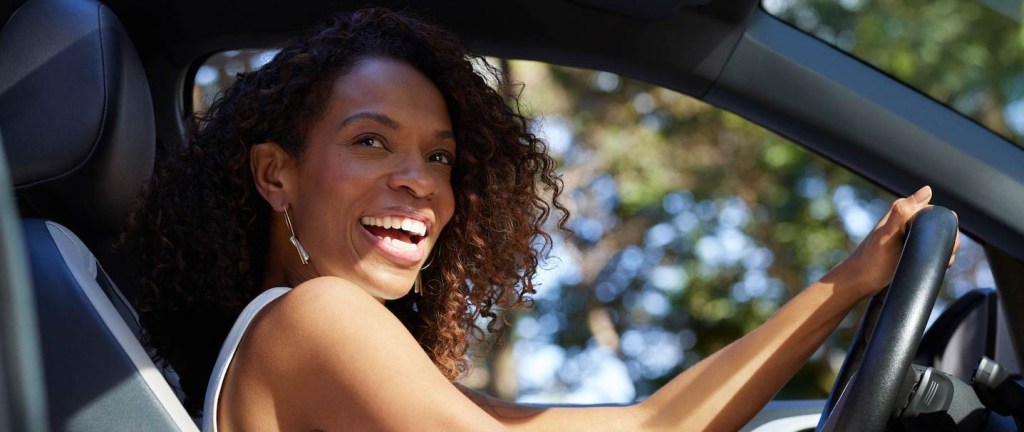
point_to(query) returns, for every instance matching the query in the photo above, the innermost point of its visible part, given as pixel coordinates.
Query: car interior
(91, 91)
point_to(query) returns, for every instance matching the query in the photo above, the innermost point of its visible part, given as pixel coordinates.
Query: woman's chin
(387, 292)
(383, 283)
(389, 296)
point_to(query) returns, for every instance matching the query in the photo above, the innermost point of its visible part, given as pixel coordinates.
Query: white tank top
(227, 353)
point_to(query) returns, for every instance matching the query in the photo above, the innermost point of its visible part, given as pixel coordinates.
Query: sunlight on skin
(772, 352)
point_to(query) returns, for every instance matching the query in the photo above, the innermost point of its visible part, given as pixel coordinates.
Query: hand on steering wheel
(870, 384)
(875, 259)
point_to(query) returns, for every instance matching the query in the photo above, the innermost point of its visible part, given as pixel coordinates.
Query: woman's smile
(400, 237)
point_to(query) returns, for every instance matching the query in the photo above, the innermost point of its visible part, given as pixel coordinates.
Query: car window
(690, 226)
(968, 54)
(218, 72)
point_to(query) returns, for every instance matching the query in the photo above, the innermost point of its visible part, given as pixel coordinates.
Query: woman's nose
(413, 176)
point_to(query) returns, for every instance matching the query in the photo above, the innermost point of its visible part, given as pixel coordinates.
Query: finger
(912, 203)
(956, 248)
(923, 195)
(907, 207)
(889, 214)
(920, 199)
(904, 208)
(956, 243)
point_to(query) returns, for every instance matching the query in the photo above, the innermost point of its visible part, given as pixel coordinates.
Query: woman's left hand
(872, 264)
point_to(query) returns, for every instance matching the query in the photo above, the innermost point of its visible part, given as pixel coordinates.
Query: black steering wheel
(872, 382)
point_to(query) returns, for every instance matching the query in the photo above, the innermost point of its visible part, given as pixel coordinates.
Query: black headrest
(76, 113)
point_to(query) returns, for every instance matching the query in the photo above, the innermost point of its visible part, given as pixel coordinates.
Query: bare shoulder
(330, 355)
(323, 318)
(328, 291)
(327, 300)
(314, 309)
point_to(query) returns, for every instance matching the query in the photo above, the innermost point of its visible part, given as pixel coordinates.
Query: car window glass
(968, 54)
(218, 72)
(690, 226)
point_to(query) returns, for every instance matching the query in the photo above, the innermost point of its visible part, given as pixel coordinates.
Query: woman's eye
(370, 142)
(441, 157)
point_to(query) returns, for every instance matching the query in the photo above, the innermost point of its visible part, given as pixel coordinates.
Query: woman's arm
(723, 391)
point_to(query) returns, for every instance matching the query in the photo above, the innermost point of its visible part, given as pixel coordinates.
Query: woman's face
(374, 181)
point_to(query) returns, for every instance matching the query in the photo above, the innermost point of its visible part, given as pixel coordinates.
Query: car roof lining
(684, 48)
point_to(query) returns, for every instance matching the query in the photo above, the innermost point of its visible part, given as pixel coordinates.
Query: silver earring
(417, 286)
(303, 255)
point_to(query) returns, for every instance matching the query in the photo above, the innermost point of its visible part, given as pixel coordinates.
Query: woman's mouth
(400, 233)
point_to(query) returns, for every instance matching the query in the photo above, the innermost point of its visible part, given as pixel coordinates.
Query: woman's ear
(272, 170)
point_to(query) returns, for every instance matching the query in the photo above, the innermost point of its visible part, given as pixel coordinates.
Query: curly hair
(200, 233)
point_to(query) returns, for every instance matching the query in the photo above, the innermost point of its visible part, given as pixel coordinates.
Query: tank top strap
(227, 353)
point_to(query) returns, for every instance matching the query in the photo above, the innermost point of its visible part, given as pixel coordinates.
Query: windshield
(966, 54)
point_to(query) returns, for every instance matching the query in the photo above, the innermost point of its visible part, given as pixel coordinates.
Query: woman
(382, 198)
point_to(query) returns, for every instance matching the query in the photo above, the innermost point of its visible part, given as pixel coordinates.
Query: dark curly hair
(200, 234)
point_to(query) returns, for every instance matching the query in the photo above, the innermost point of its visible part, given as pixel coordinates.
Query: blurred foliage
(690, 227)
(966, 54)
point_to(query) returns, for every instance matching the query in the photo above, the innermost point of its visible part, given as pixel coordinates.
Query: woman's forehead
(389, 92)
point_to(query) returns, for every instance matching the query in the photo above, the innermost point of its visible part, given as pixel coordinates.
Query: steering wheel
(872, 385)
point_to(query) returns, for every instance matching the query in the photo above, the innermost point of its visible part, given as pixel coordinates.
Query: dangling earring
(417, 286)
(303, 255)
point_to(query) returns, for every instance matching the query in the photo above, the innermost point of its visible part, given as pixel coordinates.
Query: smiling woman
(367, 198)
(372, 122)
(371, 192)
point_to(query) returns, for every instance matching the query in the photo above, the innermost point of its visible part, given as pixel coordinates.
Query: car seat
(77, 116)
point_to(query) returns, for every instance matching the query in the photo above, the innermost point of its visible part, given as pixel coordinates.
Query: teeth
(398, 244)
(411, 226)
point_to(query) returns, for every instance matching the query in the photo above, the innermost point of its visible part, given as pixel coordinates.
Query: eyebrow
(371, 115)
(390, 123)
